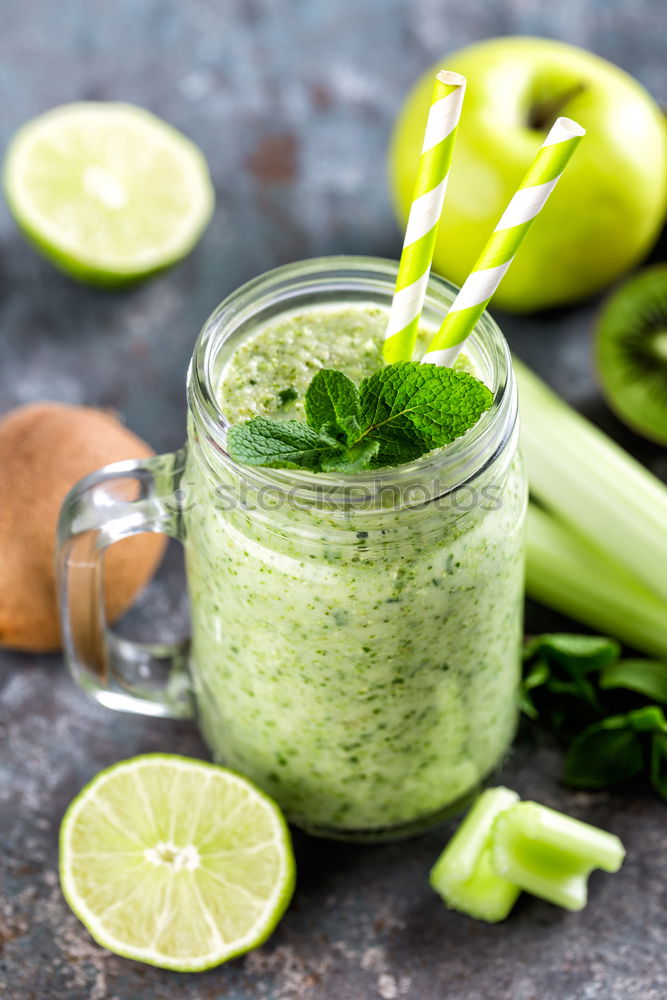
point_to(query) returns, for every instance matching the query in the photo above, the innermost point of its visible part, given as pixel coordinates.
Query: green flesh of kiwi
(631, 353)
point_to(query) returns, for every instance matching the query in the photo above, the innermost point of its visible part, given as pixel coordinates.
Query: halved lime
(109, 192)
(175, 862)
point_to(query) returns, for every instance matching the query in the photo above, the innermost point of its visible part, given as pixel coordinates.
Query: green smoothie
(361, 669)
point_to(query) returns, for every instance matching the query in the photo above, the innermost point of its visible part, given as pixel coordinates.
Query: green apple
(608, 207)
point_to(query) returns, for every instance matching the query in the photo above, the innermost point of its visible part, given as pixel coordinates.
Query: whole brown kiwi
(45, 448)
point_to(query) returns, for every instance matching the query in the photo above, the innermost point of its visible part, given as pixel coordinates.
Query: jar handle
(115, 502)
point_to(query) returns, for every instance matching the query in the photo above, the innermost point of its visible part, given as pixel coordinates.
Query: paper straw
(425, 211)
(530, 198)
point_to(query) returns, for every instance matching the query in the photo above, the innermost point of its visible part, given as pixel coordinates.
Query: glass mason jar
(355, 639)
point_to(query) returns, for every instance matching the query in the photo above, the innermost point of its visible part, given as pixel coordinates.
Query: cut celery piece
(566, 573)
(551, 855)
(599, 490)
(463, 874)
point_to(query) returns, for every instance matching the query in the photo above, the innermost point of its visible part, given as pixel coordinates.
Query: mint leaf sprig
(398, 413)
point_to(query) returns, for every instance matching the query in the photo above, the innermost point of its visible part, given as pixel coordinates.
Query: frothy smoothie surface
(362, 670)
(283, 356)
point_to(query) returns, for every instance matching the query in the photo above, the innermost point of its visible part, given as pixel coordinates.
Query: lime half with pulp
(175, 862)
(108, 192)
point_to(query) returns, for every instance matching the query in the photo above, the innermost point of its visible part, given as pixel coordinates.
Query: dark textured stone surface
(292, 103)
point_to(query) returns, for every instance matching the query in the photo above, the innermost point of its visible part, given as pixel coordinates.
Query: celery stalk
(551, 855)
(565, 573)
(463, 874)
(593, 485)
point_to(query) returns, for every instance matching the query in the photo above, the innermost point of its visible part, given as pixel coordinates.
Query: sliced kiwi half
(631, 353)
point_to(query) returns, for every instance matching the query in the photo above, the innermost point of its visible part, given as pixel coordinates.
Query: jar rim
(463, 459)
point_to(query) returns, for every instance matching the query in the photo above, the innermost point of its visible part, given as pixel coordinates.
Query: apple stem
(542, 116)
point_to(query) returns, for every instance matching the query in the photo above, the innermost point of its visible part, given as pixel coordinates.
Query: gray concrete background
(292, 103)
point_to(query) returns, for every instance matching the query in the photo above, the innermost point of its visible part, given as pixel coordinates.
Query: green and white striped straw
(425, 211)
(530, 198)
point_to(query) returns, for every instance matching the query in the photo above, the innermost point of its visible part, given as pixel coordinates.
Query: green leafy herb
(397, 414)
(579, 654)
(287, 396)
(536, 676)
(605, 754)
(601, 706)
(647, 677)
(285, 443)
(332, 399)
(659, 764)
(557, 683)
